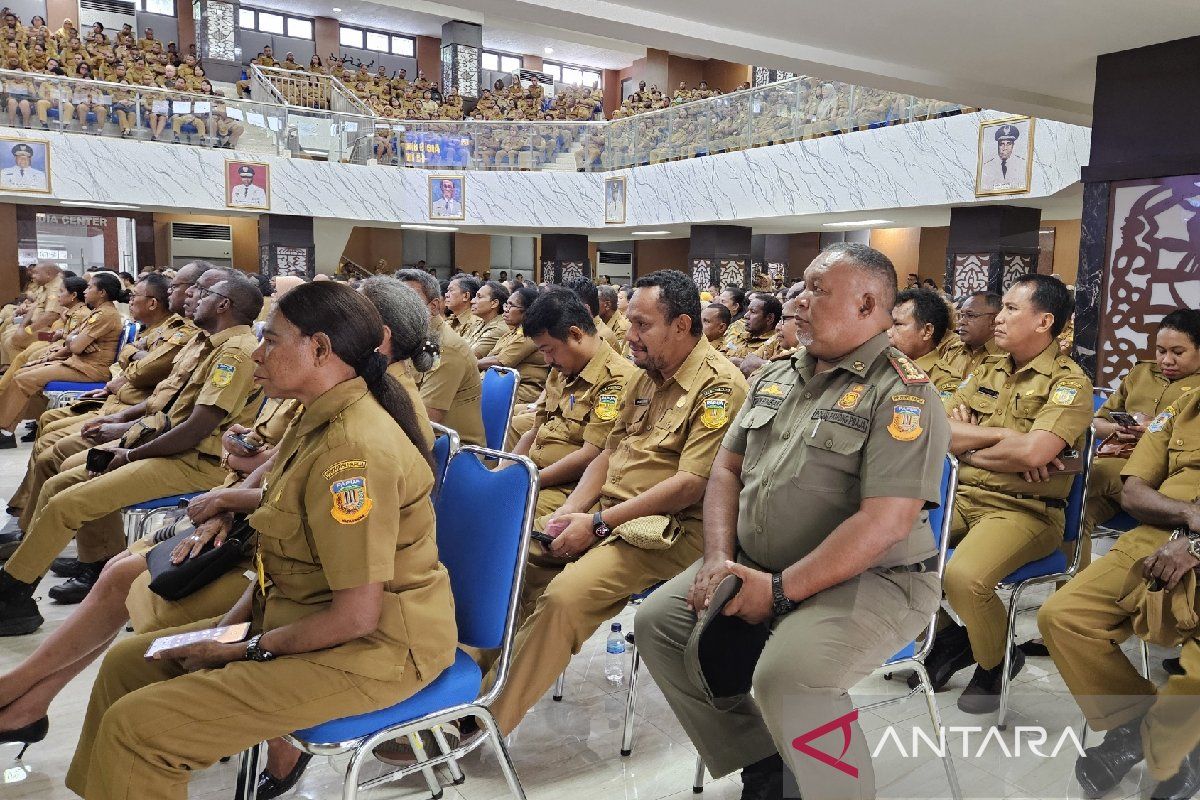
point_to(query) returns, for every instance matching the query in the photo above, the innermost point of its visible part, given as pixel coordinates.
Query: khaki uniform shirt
(454, 387)
(673, 426)
(814, 445)
(485, 335)
(771, 348)
(346, 504)
(605, 332)
(161, 344)
(103, 327)
(1144, 390)
(741, 343)
(463, 324)
(582, 408)
(187, 360)
(1050, 393)
(401, 371)
(620, 326)
(946, 365)
(990, 348)
(514, 349)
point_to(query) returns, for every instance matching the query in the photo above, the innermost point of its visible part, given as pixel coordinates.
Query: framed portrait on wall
(614, 201)
(448, 197)
(1005, 163)
(248, 185)
(24, 165)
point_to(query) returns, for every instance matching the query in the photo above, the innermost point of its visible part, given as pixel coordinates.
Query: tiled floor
(570, 749)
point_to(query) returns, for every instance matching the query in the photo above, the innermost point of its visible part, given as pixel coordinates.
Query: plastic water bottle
(614, 658)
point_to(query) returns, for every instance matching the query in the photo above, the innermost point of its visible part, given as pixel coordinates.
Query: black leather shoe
(19, 613)
(9, 542)
(950, 653)
(73, 591)
(8, 441)
(1173, 666)
(269, 786)
(31, 434)
(1102, 767)
(982, 695)
(30, 734)
(1185, 783)
(763, 780)
(66, 567)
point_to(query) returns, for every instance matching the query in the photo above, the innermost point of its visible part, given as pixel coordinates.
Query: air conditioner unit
(111, 13)
(191, 242)
(618, 267)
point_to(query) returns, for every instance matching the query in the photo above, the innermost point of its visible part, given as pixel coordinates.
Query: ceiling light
(336, 10)
(649, 233)
(858, 223)
(549, 51)
(434, 228)
(89, 204)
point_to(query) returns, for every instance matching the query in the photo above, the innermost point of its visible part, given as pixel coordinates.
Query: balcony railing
(280, 120)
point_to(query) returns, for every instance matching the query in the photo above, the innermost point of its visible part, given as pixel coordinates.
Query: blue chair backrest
(499, 393)
(1097, 401)
(483, 522)
(939, 518)
(128, 334)
(1078, 495)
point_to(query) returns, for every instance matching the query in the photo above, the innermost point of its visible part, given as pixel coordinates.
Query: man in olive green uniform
(452, 390)
(656, 461)
(1011, 421)
(460, 294)
(975, 324)
(176, 452)
(761, 318)
(921, 330)
(849, 434)
(1084, 626)
(487, 307)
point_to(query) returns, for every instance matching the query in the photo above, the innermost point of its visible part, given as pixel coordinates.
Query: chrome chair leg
(456, 772)
(630, 698)
(935, 716)
(247, 773)
(502, 756)
(559, 685)
(698, 779)
(418, 748)
(1009, 637)
(1145, 653)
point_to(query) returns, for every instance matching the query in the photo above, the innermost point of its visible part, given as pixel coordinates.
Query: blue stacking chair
(499, 396)
(484, 550)
(137, 516)
(59, 393)
(445, 444)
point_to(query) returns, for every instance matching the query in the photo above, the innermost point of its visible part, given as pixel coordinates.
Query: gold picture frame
(452, 208)
(994, 175)
(9, 169)
(251, 202)
(612, 214)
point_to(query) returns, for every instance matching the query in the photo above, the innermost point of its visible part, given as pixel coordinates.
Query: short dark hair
(110, 284)
(677, 294)
(723, 312)
(585, 290)
(870, 260)
(990, 299)
(467, 284)
(1184, 320)
(739, 296)
(607, 294)
(245, 298)
(157, 286)
(75, 285)
(555, 311)
(928, 309)
(771, 305)
(528, 294)
(1050, 296)
(499, 293)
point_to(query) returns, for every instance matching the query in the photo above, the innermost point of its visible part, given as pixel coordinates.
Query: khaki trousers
(567, 603)
(46, 463)
(16, 339)
(149, 724)
(21, 359)
(802, 680)
(1083, 628)
(28, 384)
(993, 534)
(70, 500)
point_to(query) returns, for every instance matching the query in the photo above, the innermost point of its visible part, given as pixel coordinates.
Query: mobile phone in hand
(249, 444)
(1124, 419)
(98, 460)
(545, 539)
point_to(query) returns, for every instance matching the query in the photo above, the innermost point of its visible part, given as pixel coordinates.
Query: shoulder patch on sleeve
(1160, 422)
(1064, 395)
(351, 503)
(222, 374)
(906, 368)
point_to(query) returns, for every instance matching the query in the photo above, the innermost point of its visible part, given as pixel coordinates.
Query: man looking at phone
(175, 450)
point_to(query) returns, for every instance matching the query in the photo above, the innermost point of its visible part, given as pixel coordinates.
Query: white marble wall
(919, 164)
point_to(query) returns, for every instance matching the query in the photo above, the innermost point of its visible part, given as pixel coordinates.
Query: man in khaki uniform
(656, 461)
(452, 390)
(975, 324)
(1014, 421)
(459, 296)
(762, 316)
(586, 291)
(487, 308)
(1084, 626)
(921, 330)
(611, 315)
(176, 451)
(848, 432)
(37, 313)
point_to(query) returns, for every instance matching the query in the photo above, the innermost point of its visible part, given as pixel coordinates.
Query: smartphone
(1124, 418)
(249, 444)
(545, 539)
(98, 460)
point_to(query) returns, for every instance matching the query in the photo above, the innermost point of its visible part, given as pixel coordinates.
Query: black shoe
(269, 786)
(31, 434)
(982, 695)
(9, 542)
(19, 613)
(1173, 666)
(950, 653)
(1102, 767)
(8, 441)
(1184, 784)
(66, 567)
(763, 780)
(74, 590)
(33, 732)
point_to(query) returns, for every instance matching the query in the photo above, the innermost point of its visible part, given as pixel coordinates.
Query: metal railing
(315, 116)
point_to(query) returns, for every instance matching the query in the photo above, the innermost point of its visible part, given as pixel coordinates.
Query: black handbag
(176, 581)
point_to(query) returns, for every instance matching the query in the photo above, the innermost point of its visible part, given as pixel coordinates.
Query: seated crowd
(660, 422)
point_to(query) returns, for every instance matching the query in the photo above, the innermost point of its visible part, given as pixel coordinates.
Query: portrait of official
(1005, 156)
(447, 197)
(614, 201)
(24, 165)
(247, 185)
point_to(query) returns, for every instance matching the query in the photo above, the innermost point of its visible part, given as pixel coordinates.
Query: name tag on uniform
(843, 418)
(988, 392)
(642, 401)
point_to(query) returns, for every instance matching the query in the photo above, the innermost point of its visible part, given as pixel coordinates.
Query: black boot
(66, 567)
(31, 434)
(19, 613)
(1102, 767)
(74, 590)
(7, 441)
(10, 540)
(950, 653)
(1174, 666)
(982, 695)
(763, 780)
(1184, 784)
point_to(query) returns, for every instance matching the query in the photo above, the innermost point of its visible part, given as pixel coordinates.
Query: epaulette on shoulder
(906, 368)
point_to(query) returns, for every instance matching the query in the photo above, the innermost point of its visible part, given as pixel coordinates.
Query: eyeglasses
(977, 314)
(206, 292)
(788, 318)
(181, 285)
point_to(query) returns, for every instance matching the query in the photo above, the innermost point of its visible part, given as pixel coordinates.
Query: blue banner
(431, 149)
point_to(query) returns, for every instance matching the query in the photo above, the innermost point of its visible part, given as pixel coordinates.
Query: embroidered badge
(910, 398)
(179, 337)
(1064, 395)
(716, 414)
(850, 399)
(1159, 422)
(350, 501)
(343, 466)
(222, 374)
(607, 406)
(771, 389)
(909, 372)
(906, 423)
(860, 366)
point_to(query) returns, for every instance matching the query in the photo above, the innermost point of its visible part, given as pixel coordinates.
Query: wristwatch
(1193, 541)
(600, 530)
(780, 604)
(256, 653)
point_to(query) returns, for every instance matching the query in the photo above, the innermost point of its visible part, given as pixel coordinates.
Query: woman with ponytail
(351, 611)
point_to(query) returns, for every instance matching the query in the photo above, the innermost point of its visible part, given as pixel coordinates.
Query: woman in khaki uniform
(348, 574)
(518, 351)
(73, 313)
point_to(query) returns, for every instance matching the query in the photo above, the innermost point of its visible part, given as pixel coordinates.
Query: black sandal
(269, 786)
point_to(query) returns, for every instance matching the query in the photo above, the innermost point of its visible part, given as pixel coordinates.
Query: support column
(720, 255)
(990, 247)
(563, 256)
(286, 246)
(216, 38)
(769, 255)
